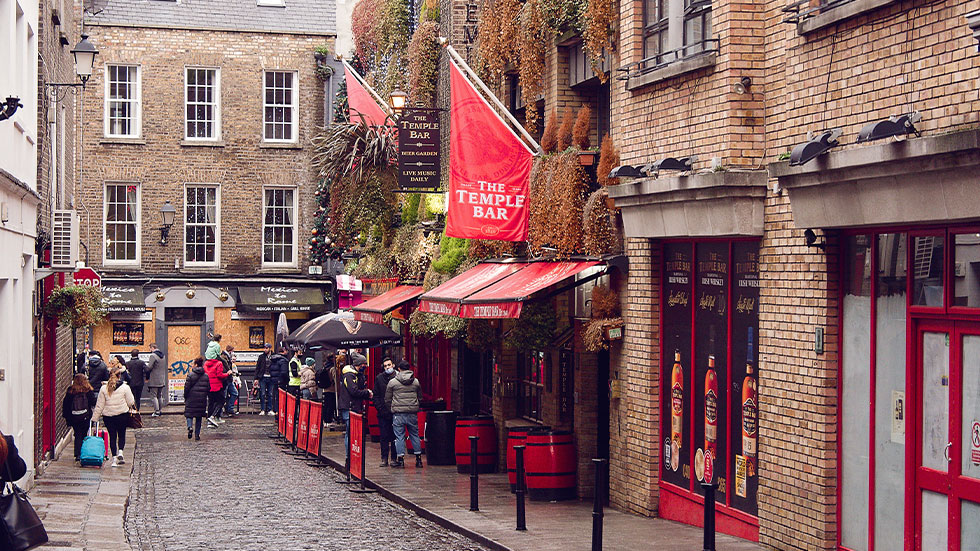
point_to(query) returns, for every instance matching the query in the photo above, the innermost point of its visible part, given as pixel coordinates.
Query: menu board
(676, 364)
(744, 430)
(711, 360)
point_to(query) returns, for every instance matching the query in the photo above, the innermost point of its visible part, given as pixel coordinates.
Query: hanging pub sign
(418, 151)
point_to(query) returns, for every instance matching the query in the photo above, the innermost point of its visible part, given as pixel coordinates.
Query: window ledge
(280, 270)
(676, 68)
(122, 141)
(202, 270)
(202, 143)
(840, 13)
(280, 145)
(128, 268)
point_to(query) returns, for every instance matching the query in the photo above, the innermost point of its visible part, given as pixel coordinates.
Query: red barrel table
(373, 428)
(486, 447)
(550, 465)
(408, 441)
(517, 436)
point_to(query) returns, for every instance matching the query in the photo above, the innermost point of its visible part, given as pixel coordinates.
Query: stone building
(203, 111)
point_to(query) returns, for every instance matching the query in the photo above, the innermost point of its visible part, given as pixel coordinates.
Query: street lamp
(168, 213)
(84, 53)
(398, 99)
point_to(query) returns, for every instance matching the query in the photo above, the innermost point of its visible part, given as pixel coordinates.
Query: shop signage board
(356, 444)
(419, 167)
(279, 298)
(123, 298)
(489, 170)
(87, 276)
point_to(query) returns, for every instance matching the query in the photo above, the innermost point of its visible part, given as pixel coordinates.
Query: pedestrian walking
(12, 465)
(295, 380)
(98, 372)
(307, 379)
(76, 409)
(278, 370)
(197, 387)
(113, 405)
(215, 369)
(233, 383)
(156, 379)
(331, 411)
(117, 365)
(264, 381)
(325, 382)
(137, 373)
(351, 392)
(213, 349)
(403, 395)
(384, 412)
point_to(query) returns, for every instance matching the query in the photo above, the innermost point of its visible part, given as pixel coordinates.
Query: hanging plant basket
(587, 158)
(598, 333)
(76, 306)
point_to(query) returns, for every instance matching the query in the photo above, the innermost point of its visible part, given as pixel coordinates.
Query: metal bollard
(519, 489)
(709, 515)
(597, 502)
(474, 476)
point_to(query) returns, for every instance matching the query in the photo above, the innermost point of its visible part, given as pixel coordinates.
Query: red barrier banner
(316, 421)
(356, 444)
(282, 412)
(290, 418)
(304, 427)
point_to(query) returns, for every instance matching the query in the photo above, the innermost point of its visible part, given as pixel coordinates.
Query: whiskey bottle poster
(676, 365)
(711, 384)
(744, 430)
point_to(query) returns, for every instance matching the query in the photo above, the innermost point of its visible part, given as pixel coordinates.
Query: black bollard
(474, 476)
(709, 515)
(519, 489)
(597, 501)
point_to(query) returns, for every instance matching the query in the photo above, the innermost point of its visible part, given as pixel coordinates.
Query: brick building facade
(207, 110)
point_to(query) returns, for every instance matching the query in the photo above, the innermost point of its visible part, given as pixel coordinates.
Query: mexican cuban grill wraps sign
(489, 170)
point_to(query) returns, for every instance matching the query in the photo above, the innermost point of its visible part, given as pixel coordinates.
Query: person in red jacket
(215, 369)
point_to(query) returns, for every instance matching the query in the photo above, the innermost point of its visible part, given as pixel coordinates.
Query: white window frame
(294, 106)
(295, 245)
(271, 3)
(139, 224)
(137, 103)
(217, 227)
(216, 123)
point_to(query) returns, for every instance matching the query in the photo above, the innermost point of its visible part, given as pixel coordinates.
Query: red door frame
(49, 373)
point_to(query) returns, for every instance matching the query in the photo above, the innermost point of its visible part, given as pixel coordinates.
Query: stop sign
(87, 276)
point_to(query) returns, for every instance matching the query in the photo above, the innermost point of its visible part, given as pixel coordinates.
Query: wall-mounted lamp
(743, 85)
(398, 99)
(806, 152)
(684, 164)
(190, 294)
(9, 107)
(168, 213)
(223, 295)
(811, 240)
(625, 171)
(160, 296)
(84, 53)
(899, 125)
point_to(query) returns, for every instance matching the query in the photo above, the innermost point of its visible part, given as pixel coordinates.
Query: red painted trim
(681, 506)
(693, 383)
(729, 447)
(873, 374)
(842, 269)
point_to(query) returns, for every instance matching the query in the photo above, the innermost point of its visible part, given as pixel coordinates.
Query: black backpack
(323, 379)
(79, 403)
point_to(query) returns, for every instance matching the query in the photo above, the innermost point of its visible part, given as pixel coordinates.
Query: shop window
(534, 368)
(122, 223)
(710, 406)
(180, 314)
(201, 225)
(927, 266)
(966, 270)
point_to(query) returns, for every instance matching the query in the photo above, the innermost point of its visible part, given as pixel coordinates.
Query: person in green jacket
(295, 366)
(213, 349)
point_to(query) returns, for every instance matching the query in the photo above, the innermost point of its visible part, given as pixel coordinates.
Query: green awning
(280, 298)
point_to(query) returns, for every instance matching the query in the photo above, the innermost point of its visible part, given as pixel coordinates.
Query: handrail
(663, 59)
(798, 15)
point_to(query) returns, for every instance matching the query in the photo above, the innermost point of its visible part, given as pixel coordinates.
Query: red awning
(446, 298)
(505, 298)
(373, 311)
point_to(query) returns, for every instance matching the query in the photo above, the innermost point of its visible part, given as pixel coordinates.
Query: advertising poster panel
(676, 366)
(711, 356)
(744, 430)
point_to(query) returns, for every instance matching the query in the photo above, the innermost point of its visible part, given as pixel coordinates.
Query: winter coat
(404, 393)
(351, 392)
(262, 366)
(380, 387)
(15, 468)
(137, 370)
(156, 370)
(278, 365)
(68, 408)
(307, 376)
(216, 374)
(196, 389)
(294, 368)
(98, 372)
(212, 351)
(119, 402)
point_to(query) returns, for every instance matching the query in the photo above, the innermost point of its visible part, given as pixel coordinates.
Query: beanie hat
(310, 361)
(358, 360)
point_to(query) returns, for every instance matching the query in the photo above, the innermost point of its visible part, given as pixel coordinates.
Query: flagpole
(384, 105)
(461, 63)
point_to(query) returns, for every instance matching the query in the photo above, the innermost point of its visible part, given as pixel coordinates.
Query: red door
(947, 442)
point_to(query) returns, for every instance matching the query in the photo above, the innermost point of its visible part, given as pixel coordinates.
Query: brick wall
(242, 164)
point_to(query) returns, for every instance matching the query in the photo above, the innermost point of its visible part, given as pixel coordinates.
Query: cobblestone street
(235, 490)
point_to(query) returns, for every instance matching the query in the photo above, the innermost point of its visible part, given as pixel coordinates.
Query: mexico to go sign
(88, 277)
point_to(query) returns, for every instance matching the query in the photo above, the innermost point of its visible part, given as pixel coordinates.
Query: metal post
(709, 516)
(597, 501)
(519, 489)
(474, 476)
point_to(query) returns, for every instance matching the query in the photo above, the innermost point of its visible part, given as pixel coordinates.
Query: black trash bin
(440, 430)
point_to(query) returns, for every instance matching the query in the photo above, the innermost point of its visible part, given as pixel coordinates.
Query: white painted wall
(18, 225)
(345, 37)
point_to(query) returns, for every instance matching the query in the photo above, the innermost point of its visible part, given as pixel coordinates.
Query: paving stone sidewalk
(82, 508)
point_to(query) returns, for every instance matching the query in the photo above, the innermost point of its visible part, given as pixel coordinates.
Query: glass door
(947, 474)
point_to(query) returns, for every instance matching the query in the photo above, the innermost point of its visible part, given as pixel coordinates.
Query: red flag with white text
(359, 101)
(489, 169)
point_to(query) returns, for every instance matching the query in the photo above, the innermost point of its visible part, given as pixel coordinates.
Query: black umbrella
(324, 332)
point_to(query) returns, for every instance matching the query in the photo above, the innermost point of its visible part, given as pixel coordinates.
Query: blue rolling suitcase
(93, 450)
